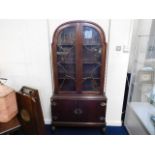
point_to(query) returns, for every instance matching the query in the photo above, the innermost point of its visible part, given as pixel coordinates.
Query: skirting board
(47, 121)
(114, 123)
(109, 123)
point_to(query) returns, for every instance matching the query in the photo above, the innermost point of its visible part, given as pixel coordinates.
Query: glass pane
(142, 88)
(143, 73)
(91, 36)
(67, 36)
(91, 59)
(66, 59)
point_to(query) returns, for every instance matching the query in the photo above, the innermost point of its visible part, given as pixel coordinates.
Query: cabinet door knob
(54, 103)
(103, 104)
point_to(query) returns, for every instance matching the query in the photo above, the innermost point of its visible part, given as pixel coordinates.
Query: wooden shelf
(90, 62)
(8, 127)
(92, 45)
(91, 78)
(65, 44)
(68, 63)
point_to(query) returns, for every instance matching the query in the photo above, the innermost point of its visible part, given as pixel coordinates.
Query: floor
(110, 130)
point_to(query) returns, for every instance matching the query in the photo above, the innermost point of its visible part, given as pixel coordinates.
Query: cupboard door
(64, 110)
(92, 111)
(91, 59)
(66, 55)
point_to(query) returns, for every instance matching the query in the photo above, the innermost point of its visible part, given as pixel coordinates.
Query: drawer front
(92, 111)
(64, 110)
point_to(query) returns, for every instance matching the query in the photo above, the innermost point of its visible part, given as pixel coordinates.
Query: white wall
(25, 59)
(120, 35)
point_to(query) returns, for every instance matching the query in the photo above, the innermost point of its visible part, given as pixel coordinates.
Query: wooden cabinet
(79, 54)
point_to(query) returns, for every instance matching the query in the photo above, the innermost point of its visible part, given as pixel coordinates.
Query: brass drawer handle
(103, 104)
(54, 103)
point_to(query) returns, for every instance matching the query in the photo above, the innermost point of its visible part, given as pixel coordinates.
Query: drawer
(92, 111)
(64, 110)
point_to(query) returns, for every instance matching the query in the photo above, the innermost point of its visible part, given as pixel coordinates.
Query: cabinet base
(78, 124)
(102, 126)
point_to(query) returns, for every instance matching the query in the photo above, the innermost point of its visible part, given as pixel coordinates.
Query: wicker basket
(8, 104)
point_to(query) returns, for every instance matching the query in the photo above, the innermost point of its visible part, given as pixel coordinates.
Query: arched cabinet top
(77, 26)
(78, 54)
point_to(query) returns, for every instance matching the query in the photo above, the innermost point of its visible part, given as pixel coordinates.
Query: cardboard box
(8, 104)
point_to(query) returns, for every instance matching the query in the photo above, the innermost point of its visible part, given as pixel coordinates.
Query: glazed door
(79, 58)
(91, 59)
(64, 58)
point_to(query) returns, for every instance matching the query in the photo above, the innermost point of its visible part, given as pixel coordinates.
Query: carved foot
(103, 130)
(53, 128)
